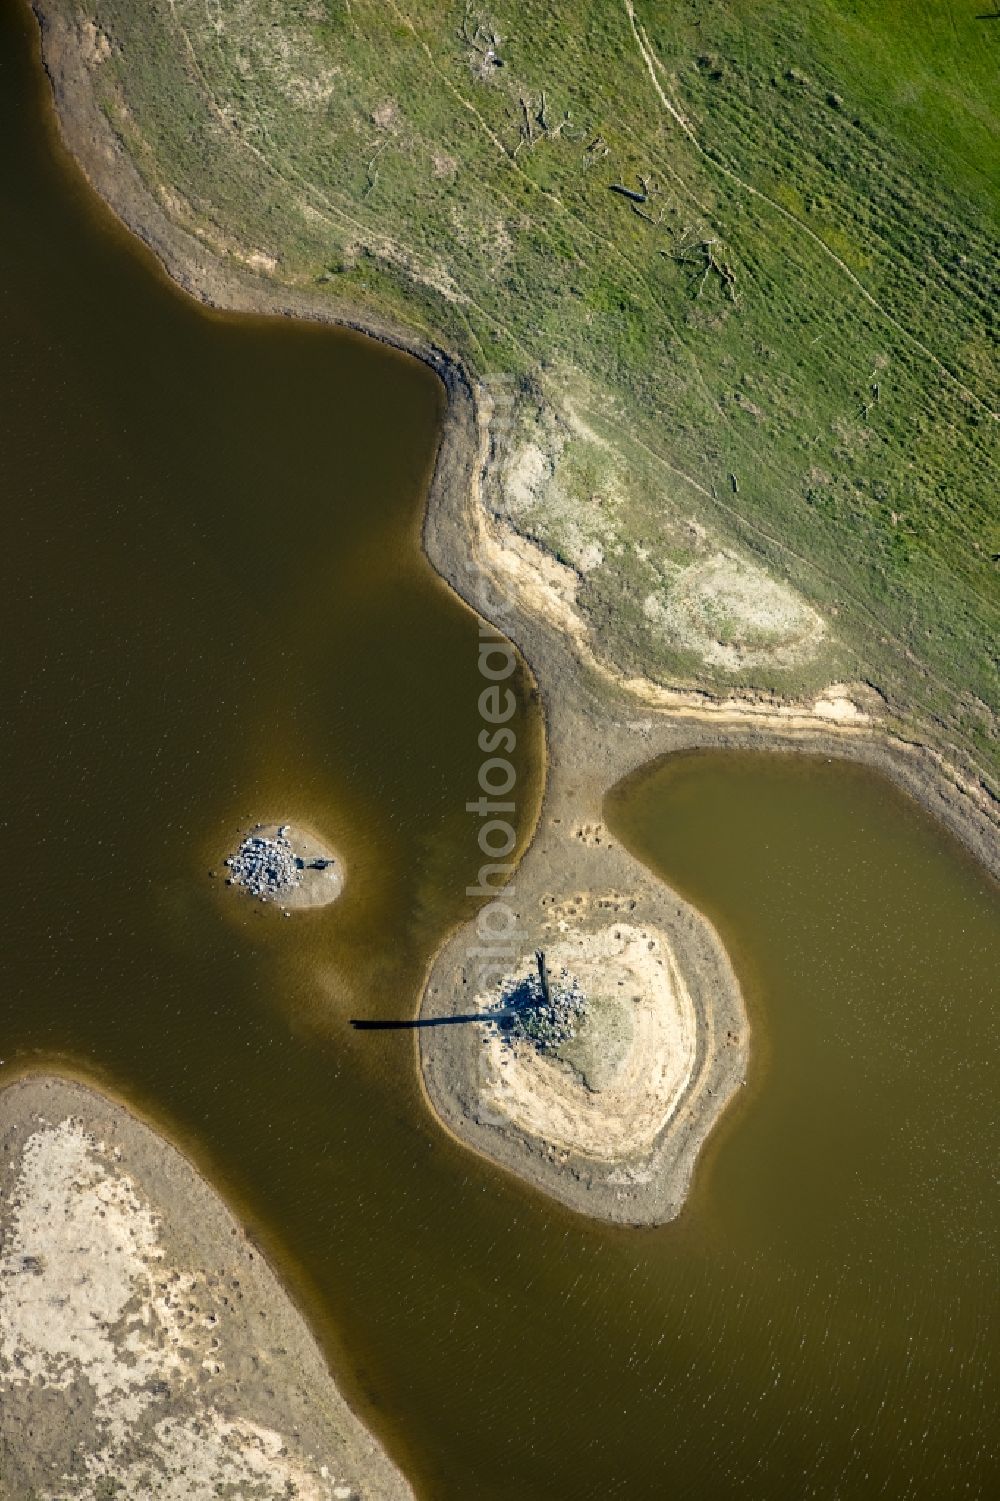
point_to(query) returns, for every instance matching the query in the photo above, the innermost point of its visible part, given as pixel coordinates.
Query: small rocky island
(286, 866)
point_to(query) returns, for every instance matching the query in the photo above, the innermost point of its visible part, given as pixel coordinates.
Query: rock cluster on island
(285, 866)
(539, 1010)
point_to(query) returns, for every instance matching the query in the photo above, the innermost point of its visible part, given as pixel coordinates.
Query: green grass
(324, 134)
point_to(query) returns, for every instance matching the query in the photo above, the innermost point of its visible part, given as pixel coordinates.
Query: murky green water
(214, 608)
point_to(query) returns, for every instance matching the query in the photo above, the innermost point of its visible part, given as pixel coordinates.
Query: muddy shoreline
(597, 730)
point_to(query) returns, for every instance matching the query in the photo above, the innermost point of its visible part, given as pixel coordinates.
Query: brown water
(215, 608)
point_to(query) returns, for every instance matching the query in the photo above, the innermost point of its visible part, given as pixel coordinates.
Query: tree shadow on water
(521, 998)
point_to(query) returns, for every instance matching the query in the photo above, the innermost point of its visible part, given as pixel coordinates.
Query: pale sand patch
(735, 615)
(80, 1245)
(95, 44)
(581, 427)
(547, 589)
(530, 471)
(259, 260)
(836, 705)
(386, 114)
(432, 273)
(649, 1026)
(201, 1455)
(135, 1354)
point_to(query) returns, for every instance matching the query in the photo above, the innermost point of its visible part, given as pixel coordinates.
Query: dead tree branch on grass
(536, 122)
(483, 40)
(569, 129)
(526, 130)
(373, 175)
(700, 253)
(595, 152)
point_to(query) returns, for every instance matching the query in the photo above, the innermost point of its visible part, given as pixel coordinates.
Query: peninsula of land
(146, 1347)
(618, 1143)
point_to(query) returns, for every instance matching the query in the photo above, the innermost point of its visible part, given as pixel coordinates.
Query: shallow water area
(214, 603)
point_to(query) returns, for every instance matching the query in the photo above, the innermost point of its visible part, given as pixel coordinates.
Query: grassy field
(757, 397)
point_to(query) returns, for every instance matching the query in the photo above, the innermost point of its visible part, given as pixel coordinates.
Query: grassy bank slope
(781, 358)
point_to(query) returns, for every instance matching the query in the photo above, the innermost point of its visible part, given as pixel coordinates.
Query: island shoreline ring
(574, 884)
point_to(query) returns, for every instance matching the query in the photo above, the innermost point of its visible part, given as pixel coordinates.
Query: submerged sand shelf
(143, 1339)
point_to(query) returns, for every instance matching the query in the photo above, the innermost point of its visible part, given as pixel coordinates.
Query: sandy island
(611, 1121)
(286, 865)
(601, 726)
(143, 1339)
